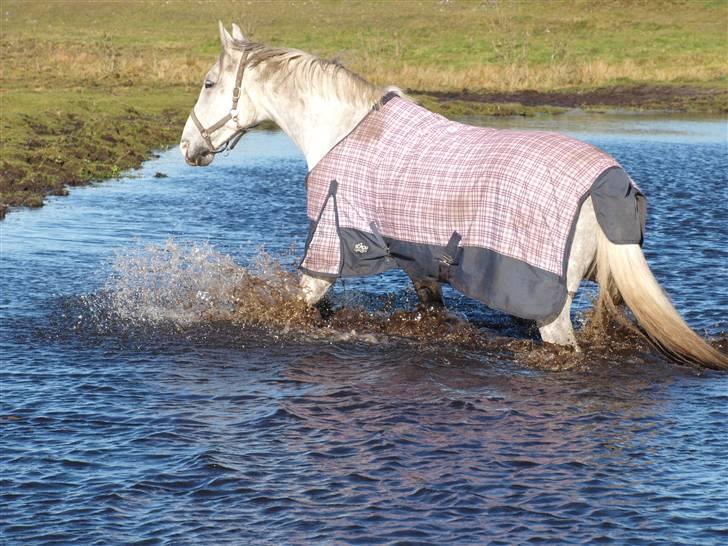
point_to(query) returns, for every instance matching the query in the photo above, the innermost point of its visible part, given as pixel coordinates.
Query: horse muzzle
(197, 157)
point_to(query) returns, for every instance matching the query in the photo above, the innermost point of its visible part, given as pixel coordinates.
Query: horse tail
(623, 271)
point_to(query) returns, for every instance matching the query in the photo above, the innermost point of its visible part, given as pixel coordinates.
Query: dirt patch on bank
(49, 153)
(642, 97)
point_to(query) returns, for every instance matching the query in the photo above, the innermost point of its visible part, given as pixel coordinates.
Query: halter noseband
(230, 143)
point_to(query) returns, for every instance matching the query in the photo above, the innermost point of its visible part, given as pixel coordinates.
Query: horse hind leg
(430, 295)
(559, 329)
(431, 301)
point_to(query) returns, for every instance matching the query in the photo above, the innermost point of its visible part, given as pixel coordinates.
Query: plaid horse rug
(490, 211)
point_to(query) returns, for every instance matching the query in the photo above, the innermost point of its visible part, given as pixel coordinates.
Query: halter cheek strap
(206, 132)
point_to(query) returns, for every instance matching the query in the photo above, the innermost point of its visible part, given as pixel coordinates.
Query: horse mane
(298, 71)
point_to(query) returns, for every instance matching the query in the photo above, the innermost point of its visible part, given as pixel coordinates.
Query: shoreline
(70, 149)
(658, 98)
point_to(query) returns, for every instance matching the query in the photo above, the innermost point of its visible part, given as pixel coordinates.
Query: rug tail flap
(620, 207)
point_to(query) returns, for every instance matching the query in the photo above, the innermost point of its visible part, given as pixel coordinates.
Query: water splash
(187, 284)
(191, 283)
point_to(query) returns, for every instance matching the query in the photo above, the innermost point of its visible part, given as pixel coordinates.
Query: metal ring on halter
(229, 144)
(235, 139)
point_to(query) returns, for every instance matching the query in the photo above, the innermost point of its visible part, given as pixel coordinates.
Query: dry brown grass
(550, 77)
(51, 64)
(83, 65)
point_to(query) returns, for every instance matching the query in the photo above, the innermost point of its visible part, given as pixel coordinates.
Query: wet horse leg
(559, 330)
(430, 294)
(431, 301)
(314, 288)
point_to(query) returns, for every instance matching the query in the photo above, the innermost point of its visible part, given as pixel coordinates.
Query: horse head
(224, 111)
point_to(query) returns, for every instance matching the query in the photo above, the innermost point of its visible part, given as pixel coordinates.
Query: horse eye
(208, 84)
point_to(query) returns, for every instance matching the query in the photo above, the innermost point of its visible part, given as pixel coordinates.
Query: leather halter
(230, 116)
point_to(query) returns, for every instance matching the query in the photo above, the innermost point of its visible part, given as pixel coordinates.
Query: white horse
(317, 103)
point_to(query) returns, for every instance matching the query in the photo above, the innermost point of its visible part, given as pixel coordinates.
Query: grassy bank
(89, 88)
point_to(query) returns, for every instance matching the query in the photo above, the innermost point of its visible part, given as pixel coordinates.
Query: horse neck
(314, 123)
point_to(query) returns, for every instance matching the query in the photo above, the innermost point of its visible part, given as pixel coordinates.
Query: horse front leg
(314, 288)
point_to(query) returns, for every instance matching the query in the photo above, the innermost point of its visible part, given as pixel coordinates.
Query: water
(160, 385)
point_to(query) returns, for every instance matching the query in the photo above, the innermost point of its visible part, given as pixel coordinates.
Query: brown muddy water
(161, 384)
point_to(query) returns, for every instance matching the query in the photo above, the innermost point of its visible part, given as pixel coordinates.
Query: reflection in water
(161, 382)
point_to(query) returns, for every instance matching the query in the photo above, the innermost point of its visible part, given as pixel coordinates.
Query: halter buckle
(234, 115)
(236, 93)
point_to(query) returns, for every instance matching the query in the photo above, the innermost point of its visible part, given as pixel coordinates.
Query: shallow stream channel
(161, 384)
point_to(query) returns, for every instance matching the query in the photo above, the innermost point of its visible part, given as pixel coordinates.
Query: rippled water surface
(161, 385)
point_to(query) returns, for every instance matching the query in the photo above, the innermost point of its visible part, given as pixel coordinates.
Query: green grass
(407, 43)
(78, 138)
(109, 81)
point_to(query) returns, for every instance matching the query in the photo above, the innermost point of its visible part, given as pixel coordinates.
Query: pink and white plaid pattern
(420, 177)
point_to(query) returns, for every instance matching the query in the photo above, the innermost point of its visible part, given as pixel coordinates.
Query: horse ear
(237, 33)
(225, 37)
